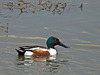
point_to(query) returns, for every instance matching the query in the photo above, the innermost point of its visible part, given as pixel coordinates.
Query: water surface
(76, 27)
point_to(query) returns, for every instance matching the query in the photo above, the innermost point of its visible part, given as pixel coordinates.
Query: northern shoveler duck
(40, 51)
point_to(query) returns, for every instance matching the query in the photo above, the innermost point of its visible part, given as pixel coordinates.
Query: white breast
(52, 51)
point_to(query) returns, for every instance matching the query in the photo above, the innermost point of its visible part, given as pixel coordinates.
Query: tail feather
(20, 52)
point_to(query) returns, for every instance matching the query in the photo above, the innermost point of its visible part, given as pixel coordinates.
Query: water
(75, 27)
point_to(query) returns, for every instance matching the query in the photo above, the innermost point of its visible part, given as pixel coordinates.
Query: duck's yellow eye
(55, 39)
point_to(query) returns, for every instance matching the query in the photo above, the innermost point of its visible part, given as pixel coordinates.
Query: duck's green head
(53, 41)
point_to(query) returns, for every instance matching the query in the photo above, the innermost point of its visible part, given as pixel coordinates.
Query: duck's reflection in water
(44, 64)
(28, 60)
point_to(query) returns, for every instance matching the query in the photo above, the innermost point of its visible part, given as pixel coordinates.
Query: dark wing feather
(29, 47)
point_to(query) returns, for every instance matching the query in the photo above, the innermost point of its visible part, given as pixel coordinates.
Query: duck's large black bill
(61, 44)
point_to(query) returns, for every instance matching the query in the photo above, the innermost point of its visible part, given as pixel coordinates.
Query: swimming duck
(40, 51)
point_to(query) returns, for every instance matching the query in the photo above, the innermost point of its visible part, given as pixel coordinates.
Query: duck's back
(33, 50)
